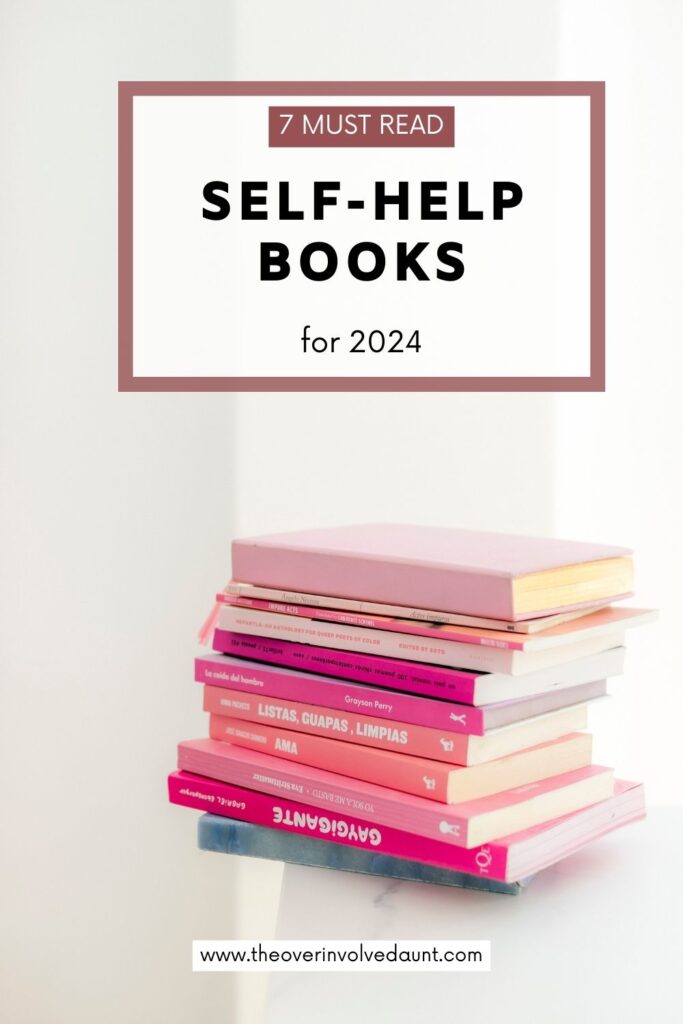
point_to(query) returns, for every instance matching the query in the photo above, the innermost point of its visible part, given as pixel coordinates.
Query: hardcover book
(401, 737)
(494, 575)
(466, 824)
(510, 858)
(434, 780)
(462, 686)
(439, 715)
(240, 838)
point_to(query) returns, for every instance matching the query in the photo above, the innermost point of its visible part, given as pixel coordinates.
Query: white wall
(116, 517)
(618, 462)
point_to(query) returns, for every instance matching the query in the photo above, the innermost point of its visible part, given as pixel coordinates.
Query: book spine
(400, 772)
(382, 806)
(353, 638)
(272, 811)
(236, 589)
(368, 621)
(328, 791)
(413, 678)
(401, 737)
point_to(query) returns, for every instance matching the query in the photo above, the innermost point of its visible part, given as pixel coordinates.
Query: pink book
(508, 859)
(414, 677)
(290, 684)
(236, 588)
(466, 824)
(606, 621)
(438, 650)
(434, 780)
(451, 570)
(402, 737)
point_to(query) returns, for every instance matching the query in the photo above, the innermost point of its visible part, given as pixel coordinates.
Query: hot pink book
(291, 684)
(401, 737)
(416, 677)
(435, 780)
(466, 824)
(451, 570)
(598, 623)
(508, 859)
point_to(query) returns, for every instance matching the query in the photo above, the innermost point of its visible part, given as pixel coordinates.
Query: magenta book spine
(410, 677)
(252, 677)
(204, 794)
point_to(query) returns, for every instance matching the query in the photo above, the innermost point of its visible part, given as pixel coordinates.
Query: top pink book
(469, 572)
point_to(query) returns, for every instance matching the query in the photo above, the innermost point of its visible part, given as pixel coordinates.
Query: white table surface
(596, 938)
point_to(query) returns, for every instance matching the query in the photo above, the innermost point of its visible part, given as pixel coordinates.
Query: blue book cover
(227, 835)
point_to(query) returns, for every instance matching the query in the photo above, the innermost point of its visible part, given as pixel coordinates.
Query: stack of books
(411, 701)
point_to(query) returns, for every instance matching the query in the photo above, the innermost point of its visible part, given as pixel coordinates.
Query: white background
(520, 309)
(117, 510)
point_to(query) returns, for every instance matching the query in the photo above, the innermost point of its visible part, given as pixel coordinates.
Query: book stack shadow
(411, 702)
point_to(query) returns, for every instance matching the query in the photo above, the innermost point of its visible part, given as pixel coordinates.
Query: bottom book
(508, 859)
(229, 835)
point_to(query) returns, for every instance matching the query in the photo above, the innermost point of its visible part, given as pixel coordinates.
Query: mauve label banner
(361, 236)
(361, 126)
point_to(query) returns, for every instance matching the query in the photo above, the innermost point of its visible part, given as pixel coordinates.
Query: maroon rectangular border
(594, 382)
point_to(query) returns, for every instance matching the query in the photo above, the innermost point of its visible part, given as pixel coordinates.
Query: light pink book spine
(385, 643)
(401, 737)
(379, 805)
(236, 588)
(339, 695)
(604, 620)
(419, 776)
(414, 677)
(457, 634)
(216, 797)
